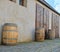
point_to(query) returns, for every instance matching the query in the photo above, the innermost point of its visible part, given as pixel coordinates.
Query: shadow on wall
(33, 35)
(1, 27)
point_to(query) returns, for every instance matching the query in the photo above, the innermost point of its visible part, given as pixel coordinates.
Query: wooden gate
(46, 23)
(39, 16)
(46, 18)
(55, 24)
(42, 18)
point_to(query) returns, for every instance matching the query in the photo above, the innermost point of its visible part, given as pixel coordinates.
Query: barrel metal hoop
(10, 24)
(10, 38)
(10, 30)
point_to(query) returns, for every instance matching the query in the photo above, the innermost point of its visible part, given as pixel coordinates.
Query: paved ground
(46, 46)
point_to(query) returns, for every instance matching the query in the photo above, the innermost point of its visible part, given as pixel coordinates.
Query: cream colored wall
(24, 17)
(59, 27)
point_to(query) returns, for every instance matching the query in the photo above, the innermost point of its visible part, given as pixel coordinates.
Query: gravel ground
(46, 46)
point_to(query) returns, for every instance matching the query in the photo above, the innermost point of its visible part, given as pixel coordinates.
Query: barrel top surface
(10, 24)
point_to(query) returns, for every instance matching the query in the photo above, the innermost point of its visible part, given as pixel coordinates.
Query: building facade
(47, 17)
(12, 11)
(23, 13)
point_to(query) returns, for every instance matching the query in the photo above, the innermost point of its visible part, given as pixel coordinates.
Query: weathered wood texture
(39, 16)
(55, 24)
(40, 34)
(46, 18)
(43, 17)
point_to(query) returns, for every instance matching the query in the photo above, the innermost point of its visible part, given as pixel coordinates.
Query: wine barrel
(9, 34)
(40, 34)
(51, 34)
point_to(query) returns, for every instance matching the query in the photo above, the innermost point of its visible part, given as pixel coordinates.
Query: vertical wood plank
(39, 16)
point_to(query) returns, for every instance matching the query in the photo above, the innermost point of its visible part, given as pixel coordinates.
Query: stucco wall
(59, 27)
(24, 17)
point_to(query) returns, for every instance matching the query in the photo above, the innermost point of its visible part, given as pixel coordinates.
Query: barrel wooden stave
(9, 34)
(9, 41)
(40, 34)
(52, 34)
(10, 28)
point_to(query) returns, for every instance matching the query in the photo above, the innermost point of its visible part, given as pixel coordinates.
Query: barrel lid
(10, 24)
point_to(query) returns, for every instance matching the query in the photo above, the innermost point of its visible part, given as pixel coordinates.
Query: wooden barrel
(51, 34)
(9, 34)
(40, 34)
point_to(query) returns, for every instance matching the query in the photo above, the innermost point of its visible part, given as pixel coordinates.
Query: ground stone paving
(46, 46)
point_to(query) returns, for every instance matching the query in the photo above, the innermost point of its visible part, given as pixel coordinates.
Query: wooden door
(39, 16)
(55, 25)
(42, 18)
(46, 23)
(46, 18)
